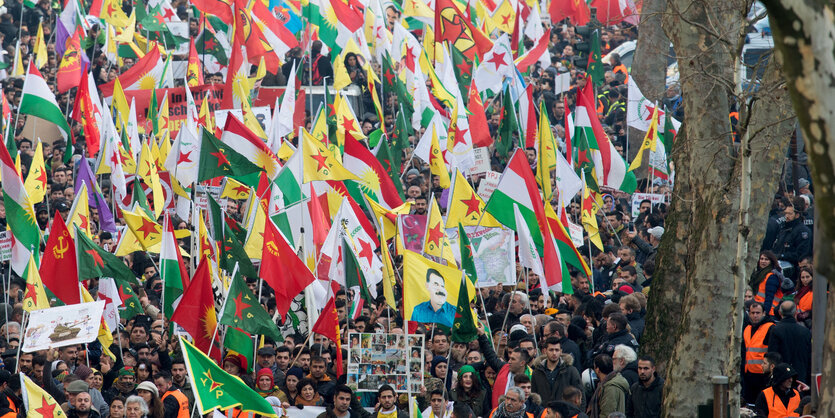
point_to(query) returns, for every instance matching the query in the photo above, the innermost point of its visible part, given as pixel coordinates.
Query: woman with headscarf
(291, 385)
(468, 390)
(265, 385)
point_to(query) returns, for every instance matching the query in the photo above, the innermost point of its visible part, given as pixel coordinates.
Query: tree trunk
(804, 34)
(694, 323)
(649, 66)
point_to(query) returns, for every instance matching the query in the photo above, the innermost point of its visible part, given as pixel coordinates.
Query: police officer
(794, 241)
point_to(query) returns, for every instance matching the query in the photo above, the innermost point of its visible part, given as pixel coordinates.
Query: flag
(517, 187)
(327, 325)
(319, 161)
(508, 125)
(589, 219)
(239, 343)
(80, 212)
(650, 139)
(451, 25)
(496, 65)
(194, 75)
(20, 214)
(386, 219)
(575, 10)
(465, 206)
(232, 251)
(250, 35)
(241, 139)
(147, 231)
(373, 179)
(243, 310)
(218, 159)
(108, 291)
(216, 389)
(220, 8)
(347, 124)
(273, 30)
(539, 53)
(40, 48)
(466, 252)
(528, 256)
(112, 13)
(73, 63)
(34, 297)
(172, 270)
(95, 199)
(546, 153)
(478, 119)
(595, 68)
(196, 312)
(428, 149)
(147, 73)
(35, 183)
(464, 327)
(429, 290)
(435, 241)
(639, 109)
(38, 402)
(94, 261)
(88, 113)
(38, 100)
(282, 269)
(58, 268)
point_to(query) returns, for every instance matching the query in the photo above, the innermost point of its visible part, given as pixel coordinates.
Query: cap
(413, 172)
(61, 205)
(150, 387)
(266, 351)
(802, 183)
(656, 231)
(627, 289)
(782, 372)
(78, 386)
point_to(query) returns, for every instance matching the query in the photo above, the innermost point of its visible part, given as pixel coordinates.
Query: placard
(576, 232)
(63, 325)
(481, 161)
(488, 184)
(5, 246)
(494, 255)
(378, 359)
(638, 197)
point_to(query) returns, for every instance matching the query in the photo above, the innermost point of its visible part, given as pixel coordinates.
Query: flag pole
(530, 311)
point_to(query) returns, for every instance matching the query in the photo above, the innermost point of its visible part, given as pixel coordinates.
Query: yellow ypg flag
(80, 212)
(112, 13)
(120, 105)
(39, 403)
(430, 290)
(233, 189)
(18, 69)
(505, 16)
(257, 215)
(547, 159)
(150, 176)
(40, 48)
(146, 231)
(389, 279)
(206, 117)
(387, 219)
(320, 124)
(437, 166)
(649, 140)
(35, 297)
(589, 219)
(346, 124)
(436, 243)
(466, 207)
(319, 163)
(35, 183)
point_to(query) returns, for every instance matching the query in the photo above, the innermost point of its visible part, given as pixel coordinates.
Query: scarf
(802, 292)
(757, 277)
(265, 393)
(501, 412)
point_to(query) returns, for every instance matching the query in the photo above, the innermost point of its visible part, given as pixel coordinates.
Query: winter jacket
(794, 241)
(610, 396)
(480, 404)
(630, 372)
(552, 389)
(794, 342)
(636, 324)
(645, 402)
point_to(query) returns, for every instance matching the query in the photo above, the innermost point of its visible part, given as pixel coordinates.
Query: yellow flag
(430, 290)
(145, 229)
(206, 116)
(40, 48)
(505, 16)
(40, 404)
(346, 123)
(437, 166)
(150, 176)
(589, 219)
(233, 189)
(18, 69)
(389, 279)
(466, 207)
(320, 124)
(120, 104)
(255, 240)
(417, 9)
(547, 159)
(387, 217)
(285, 151)
(649, 140)
(80, 212)
(435, 241)
(126, 35)
(35, 297)
(112, 13)
(35, 183)
(319, 163)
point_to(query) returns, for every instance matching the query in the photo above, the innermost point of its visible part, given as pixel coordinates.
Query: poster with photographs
(379, 359)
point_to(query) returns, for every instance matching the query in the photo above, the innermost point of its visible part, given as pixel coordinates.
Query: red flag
(282, 269)
(575, 10)
(196, 311)
(328, 326)
(219, 8)
(253, 38)
(452, 26)
(194, 77)
(321, 223)
(298, 112)
(84, 112)
(235, 69)
(70, 71)
(59, 269)
(478, 120)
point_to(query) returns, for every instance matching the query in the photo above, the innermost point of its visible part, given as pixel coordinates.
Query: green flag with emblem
(218, 159)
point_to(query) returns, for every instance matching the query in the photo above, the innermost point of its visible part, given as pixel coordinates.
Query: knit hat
(234, 359)
(468, 369)
(265, 372)
(150, 387)
(296, 371)
(127, 371)
(626, 289)
(83, 372)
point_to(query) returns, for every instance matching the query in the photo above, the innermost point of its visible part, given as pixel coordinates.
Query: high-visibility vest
(805, 303)
(182, 400)
(545, 412)
(776, 409)
(237, 413)
(755, 347)
(527, 414)
(622, 69)
(760, 295)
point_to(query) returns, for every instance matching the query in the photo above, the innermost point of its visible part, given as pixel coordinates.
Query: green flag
(232, 251)
(218, 159)
(463, 326)
(508, 126)
(595, 65)
(463, 68)
(384, 156)
(216, 389)
(238, 341)
(242, 310)
(353, 273)
(94, 261)
(467, 264)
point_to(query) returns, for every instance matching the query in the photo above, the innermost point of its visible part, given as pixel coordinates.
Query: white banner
(494, 254)
(638, 197)
(63, 325)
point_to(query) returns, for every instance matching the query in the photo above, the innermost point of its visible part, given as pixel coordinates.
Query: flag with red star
(196, 312)
(39, 403)
(319, 162)
(34, 297)
(465, 206)
(496, 65)
(218, 159)
(436, 243)
(429, 149)
(243, 310)
(451, 25)
(148, 232)
(216, 389)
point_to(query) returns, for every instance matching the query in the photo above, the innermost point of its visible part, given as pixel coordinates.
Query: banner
(63, 325)
(378, 359)
(638, 197)
(493, 254)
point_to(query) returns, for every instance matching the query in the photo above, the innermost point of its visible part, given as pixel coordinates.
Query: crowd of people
(537, 354)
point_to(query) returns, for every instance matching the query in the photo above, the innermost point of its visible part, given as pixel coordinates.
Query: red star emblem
(110, 8)
(435, 235)
(650, 109)
(185, 157)
(465, 68)
(122, 294)
(221, 158)
(107, 299)
(168, 13)
(459, 137)
(472, 205)
(389, 76)
(31, 293)
(159, 19)
(506, 19)
(41, 178)
(410, 59)
(366, 251)
(84, 224)
(347, 124)
(498, 60)
(97, 260)
(240, 305)
(331, 110)
(209, 44)
(241, 189)
(148, 227)
(46, 409)
(321, 160)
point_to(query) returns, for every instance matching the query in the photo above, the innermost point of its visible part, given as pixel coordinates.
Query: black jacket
(630, 372)
(645, 402)
(73, 413)
(608, 343)
(570, 347)
(794, 241)
(636, 324)
(552, 389)
(794, 342)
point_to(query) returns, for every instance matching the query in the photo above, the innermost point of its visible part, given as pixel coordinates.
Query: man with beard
(645, 401)
(386, 406)
(179, 377)
(124, 386)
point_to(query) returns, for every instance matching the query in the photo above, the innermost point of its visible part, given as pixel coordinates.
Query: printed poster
(378, 359)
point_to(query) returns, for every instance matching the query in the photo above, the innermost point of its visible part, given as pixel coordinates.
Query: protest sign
(637, 198)
(379, 359)
(63, 325)
(493, 254)
(488, 184)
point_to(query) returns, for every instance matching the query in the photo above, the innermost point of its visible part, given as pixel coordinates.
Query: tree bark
(804, 36)
(694, 323)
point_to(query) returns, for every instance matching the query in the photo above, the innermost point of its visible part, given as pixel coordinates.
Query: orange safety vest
(622, 69)
(527, 414)
(755, 347)
(776, 409)
(182, 400)
(760, 296)
(237, 413)
(805, 303)
(545, 412)
(12, 405)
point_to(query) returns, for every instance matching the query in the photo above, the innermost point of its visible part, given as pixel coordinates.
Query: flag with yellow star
(216, 389)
